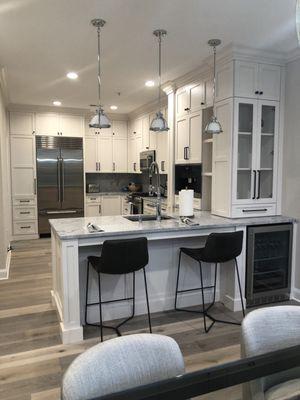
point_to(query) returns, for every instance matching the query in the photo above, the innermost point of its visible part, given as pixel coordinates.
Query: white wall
(4, 187)
(291, 152)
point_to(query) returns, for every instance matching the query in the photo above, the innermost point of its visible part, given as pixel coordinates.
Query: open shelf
(207, 174)
(207, 141)
(244, 169)
(267, 134)
(245, 133)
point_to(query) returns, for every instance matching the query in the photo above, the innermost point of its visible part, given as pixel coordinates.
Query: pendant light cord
(99, 70)
(159, 71)
(214, 85)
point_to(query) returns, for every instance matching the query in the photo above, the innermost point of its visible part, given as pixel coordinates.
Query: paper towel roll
(186, 203)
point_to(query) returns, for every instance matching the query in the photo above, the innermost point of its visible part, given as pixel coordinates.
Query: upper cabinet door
(119, 129)
(90, 154)
(71, 125)
(47, 124)
(105, 154)
(194, 153)
(197, 97)
(145, 133)
(246, 79)
(182, 102)
(21, 123)
(267, 149)
(269, 81)
(182, 141)
(120, 155)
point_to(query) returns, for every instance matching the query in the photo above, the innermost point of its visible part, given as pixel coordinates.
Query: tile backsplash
(115, 182)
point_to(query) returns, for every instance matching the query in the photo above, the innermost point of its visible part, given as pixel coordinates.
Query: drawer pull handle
(256, 210)
(24, 201)
(24, 212)
(25, 227)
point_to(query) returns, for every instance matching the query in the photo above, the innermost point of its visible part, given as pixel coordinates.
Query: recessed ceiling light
(72, 75)
(57, 103)
(149, 83)
(113, 107)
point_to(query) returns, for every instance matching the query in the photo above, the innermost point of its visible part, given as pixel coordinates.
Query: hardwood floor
(32, 357)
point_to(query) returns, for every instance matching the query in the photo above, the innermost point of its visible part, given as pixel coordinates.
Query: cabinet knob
(256, 92)
(202, 103)
(261, 93)
(187, 109)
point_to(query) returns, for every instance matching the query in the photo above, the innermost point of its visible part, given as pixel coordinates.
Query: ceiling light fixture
(99, 120)
(113, 107)
(56, 103)
(159, 124)
(214, 126)
(149, 83)
(72, 75)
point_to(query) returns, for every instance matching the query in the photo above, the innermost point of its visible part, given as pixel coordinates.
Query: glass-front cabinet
(255, 147)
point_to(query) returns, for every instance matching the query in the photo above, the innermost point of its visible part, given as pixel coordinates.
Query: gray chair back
(122, 363)
(265, 330)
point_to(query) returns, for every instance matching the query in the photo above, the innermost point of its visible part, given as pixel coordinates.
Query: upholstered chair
(122, 363)
(265, 330)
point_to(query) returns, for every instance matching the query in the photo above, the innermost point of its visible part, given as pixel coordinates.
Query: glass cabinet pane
(244, 162)
(266, 168)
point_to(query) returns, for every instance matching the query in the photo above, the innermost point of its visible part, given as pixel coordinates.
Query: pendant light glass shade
(214, 127)
(100, 119)
(159, 123)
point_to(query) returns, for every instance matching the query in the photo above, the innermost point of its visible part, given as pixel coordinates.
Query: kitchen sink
(145, 217)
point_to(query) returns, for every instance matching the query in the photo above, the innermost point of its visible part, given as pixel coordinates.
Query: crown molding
(87, 113)
(147, 108)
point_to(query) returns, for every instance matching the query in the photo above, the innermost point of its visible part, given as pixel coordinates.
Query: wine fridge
(268, 268)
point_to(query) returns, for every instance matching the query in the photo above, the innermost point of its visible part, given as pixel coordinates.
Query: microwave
(146, 159)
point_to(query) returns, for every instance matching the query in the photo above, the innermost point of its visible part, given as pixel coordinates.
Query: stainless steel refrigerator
(60, 187)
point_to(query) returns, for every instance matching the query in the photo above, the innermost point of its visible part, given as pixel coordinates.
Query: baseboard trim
(4, 273)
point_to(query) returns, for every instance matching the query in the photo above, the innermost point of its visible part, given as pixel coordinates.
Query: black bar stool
(219, 248)
(119, 257)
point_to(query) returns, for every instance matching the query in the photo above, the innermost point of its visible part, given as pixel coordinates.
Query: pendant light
(214, 126)
(100, 119)
(159, 124)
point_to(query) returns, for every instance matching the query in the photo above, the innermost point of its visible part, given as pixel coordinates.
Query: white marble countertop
(76, 228)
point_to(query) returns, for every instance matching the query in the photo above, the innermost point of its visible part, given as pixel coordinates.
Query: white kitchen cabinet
(119, 129)
(188, 139)
(256, 147)
(190, 99)
(119, 156)
(104, 154)
(91, 154)
(111, 205)
(245, 158)
(257, 80)
(23, 185)
(134, 149)
(21, 123)
(93, 210)
(52, 124)
(23, 173)
(162, 153)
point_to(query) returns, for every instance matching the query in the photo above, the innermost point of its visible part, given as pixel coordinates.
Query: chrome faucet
(154, 168)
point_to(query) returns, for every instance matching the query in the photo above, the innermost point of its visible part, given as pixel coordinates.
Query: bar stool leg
(215, 284)
(147, 300)
(100, 307)
(203, 304)
(177, 280)
(86, 292)
(240, 289)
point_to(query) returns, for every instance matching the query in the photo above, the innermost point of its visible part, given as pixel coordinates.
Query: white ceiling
(41, 40)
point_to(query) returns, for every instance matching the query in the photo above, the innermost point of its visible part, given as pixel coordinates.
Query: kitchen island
(72, 243)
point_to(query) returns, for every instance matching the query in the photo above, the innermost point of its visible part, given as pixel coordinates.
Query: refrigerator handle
(63, 179)
(58, 179)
